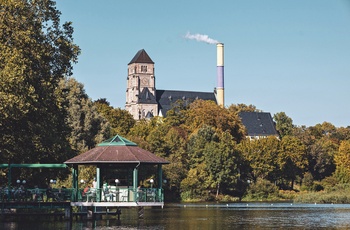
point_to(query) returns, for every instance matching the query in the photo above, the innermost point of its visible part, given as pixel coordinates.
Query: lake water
(212, 216)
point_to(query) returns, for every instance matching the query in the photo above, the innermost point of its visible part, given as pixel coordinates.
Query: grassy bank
(323, 197)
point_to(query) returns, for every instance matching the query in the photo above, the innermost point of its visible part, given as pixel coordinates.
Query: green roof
(117, 141)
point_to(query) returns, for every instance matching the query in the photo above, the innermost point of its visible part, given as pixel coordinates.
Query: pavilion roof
(117, 150)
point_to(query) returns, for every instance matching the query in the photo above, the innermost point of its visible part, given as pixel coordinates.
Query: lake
(212, 216)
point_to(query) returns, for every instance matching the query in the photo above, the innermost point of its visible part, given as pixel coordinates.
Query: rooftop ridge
(117, 141)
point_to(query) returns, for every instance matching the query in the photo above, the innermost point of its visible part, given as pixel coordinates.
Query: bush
(287, 194)
(227, 198)
(262, 190)
(329, 182)
(338, 194)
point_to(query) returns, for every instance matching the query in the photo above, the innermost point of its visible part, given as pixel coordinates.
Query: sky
(290, 56)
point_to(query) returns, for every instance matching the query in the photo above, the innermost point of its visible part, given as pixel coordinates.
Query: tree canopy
(36, 52)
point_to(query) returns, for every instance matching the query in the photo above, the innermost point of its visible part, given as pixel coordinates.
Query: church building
(143, 100)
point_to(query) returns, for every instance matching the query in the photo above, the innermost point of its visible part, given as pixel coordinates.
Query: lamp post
(19, 182)
(52, 181)
(82, 182)
(151, 181)
(116, 182)
(19, 191)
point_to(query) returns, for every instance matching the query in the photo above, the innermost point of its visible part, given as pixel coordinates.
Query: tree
(36, 52)
(342, 162)
(321, 158)
(221, 160)
(242, 108)
(261, 157)
(284, 124)
(195, 185)
(197, 144)
(88, 127)
(291, 158)
(121, 121)
(175, 148)
(208, 113)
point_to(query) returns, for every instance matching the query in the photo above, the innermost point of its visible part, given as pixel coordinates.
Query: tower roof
(141, 57)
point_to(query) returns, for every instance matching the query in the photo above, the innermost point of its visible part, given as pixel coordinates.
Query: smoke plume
(201, 38)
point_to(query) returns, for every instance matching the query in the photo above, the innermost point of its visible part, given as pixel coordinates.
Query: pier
(115, 156)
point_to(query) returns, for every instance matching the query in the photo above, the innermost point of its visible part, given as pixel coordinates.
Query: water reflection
(213, 216)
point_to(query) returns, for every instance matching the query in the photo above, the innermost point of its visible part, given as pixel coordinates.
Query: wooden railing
(113, 194)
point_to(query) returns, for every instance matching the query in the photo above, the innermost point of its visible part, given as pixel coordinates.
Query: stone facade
(141, 80)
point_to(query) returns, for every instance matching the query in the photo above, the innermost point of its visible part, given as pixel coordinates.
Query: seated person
(91, 194)
(49, 193)
(37, 195)
(107, 194)
(86, 190)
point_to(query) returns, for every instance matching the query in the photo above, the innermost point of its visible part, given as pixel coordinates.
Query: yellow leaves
(342, 157)
(342, 162)
(209, 113)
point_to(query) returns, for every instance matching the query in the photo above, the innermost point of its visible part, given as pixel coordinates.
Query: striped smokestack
(220, 74)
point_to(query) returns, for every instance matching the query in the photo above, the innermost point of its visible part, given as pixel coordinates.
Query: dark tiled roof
(166, 98)
(146, 97)
(141, 57)
(117, 150)
(258, 123)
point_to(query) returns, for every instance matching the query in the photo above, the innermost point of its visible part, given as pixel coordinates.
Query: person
(37, 195)
(94, 183)
(49, 193)
(140, 193)
(86, 190)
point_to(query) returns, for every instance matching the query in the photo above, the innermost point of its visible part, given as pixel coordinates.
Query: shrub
(262, 190)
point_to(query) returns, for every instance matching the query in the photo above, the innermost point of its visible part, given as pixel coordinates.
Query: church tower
(141, 87)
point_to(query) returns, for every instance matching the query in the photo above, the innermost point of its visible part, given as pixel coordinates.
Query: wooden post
(90, 213)
(160, 183)
(68, 213)
(141, 212)
(135, 182)
(75, 174)
(98, 180)
(119, 212)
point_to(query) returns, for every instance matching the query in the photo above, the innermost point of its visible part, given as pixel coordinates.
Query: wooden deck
(118, 204)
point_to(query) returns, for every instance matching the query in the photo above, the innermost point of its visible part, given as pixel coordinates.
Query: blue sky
(289, 56)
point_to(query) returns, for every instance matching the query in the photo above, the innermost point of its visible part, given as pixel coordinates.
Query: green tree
(175, 172)
(321, 158)
(221, 161)
(197, 144)
(88, 127)
(121, 121)
(292, 158)
(284, 124)
(195, 185)
(36, 52)
(261, 157)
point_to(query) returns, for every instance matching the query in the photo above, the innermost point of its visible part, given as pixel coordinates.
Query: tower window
(143, 68)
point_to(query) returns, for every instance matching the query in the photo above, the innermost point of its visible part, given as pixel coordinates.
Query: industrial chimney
(220, 74)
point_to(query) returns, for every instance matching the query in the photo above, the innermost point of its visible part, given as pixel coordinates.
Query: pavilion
(118, 162)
